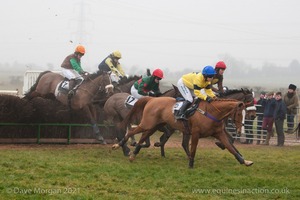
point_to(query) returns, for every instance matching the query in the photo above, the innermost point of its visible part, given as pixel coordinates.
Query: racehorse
(48, 83)
(246, 96)
(206, 121)
(115, 111)
(124, 85)
(236, 119)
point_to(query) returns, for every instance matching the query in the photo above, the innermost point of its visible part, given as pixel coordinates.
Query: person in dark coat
(291, 101)
(279, 117)
(260, 113)
(268, 119)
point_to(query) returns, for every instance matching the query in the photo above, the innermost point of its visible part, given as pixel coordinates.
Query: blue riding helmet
(208, 70)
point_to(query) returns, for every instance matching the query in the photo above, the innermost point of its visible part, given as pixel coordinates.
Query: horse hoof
(131, 157)
(115, 146)
(133, 144)
(157, 144)
(248, 163)
(102, 142)
(100, 138)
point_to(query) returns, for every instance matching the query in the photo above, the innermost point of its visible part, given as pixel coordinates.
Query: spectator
(260, 113)
(249, 119)
(279, 116)
(268, 119)
(291, 101)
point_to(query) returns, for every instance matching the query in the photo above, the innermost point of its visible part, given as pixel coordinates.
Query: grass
(97, 172)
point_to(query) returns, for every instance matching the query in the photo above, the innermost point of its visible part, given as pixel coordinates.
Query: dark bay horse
(115, 111)
(207, 121)
(245, 95)
(47, 83)
(123, 86)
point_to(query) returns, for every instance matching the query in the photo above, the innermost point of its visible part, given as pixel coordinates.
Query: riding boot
(267, 138)
(76, 83)
(181, 113)
(258, 140)
(71, 86)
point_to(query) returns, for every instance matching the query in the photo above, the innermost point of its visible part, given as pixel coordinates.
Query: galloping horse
(244, 95)
(48, 83)
(115, 111)
(207, 121)
(123, 86)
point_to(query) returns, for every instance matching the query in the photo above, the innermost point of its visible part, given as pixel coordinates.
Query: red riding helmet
(158, 73)
(220, 65)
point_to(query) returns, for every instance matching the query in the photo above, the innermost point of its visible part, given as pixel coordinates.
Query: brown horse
(235, 120)
(207, 121)
(48, 82)
(124, 85)
(115, 111)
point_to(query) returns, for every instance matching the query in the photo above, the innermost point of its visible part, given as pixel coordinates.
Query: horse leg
(133, 142)
(88, 110)
(145, 136)
(223, 138)
(185, 144)
(194, 144)
(164, 138)
(130, 133)
(120, 136)
(147, 142)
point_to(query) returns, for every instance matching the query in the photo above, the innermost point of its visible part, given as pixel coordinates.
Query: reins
(211, 116)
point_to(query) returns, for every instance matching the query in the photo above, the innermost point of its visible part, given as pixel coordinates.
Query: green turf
(97, 172)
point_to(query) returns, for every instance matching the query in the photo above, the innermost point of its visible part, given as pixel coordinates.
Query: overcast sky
(151, 33)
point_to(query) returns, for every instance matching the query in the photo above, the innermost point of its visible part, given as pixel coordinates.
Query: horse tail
(136, 112)
(27, 95)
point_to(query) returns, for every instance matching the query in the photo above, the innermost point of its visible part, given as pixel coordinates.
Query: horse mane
(135, 113)
(220, 99)
(234, 91)
(96, 74)
(33, 87)
(130, 78)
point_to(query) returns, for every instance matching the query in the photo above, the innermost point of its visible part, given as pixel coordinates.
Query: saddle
(189, 112)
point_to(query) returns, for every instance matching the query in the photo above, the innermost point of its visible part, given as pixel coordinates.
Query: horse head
(223, 108)
(102, 82)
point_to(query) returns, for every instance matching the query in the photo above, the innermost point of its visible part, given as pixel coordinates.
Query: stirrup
(71, 93)
(181, 117)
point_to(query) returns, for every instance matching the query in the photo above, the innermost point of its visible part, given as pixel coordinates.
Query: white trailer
(30, 77)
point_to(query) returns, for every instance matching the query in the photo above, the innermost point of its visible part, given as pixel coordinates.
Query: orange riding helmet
(80, 49)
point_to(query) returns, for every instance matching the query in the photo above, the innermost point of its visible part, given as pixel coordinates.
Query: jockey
(147, 86)
(190, 85)
(111, 63)
(71, 69)
(218, 77)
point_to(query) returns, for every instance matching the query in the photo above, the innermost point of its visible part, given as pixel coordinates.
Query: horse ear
(148, 72)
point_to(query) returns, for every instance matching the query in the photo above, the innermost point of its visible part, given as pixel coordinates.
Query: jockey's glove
(152, 94)
(209, 99)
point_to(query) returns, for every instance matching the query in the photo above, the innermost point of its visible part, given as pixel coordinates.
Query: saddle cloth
(130, 101)
(63, 86)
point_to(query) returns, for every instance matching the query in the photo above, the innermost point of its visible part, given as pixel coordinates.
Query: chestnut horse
(48, 82)
(115, 111)
(207, 121)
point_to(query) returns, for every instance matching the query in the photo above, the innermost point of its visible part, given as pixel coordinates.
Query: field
(97, 172)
